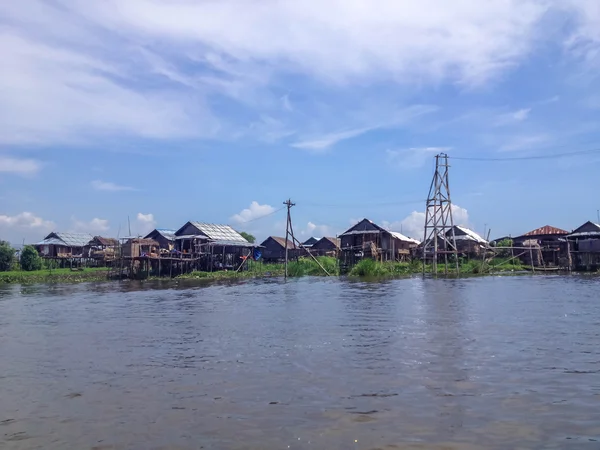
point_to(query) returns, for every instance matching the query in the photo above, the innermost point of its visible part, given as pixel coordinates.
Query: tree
(30, 260)
(248, 237)
(504, 251)
(6, 256)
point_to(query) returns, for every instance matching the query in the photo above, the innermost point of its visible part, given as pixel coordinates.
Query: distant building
(200, 237)
(326, 246)
(310, 242)
(548, 244)
(103, 248)
(63, 245)
(165, 238)
(274, 249)
(369, 240)
(468, 242)
(584, 244)
(140, 247)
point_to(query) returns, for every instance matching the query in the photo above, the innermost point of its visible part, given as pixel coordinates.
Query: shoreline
(403, 270)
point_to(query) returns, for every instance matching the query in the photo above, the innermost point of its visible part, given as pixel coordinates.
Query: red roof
(547, 229)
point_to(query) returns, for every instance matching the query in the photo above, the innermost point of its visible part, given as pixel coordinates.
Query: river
(494, 362)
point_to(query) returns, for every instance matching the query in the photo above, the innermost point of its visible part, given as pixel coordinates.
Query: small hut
(468, 243)
(584, 244)
(140, 247)
(103, 248)
(63, 245)
(274, 249)
(552, 242)
(326, 246)
(165, 238)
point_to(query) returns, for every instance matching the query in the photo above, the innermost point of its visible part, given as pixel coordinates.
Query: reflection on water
(312, 363)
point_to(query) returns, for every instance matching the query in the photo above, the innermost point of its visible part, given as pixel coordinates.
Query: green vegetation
(7, 254)
(300, 268)
(30, 260)
(248, 237)
(54, 276)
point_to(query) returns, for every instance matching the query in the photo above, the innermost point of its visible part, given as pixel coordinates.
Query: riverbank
(54, 276)
(304, 267)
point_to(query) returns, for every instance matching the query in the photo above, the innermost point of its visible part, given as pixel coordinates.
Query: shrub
(30, 260)
(7, 254)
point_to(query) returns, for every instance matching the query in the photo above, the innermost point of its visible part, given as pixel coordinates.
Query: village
(200, 246)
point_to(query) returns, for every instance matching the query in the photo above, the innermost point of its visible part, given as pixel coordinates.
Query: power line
(359, 205)
(263, 216)
(521, 158)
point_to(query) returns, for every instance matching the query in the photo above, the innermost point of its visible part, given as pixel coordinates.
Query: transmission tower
(437, 241)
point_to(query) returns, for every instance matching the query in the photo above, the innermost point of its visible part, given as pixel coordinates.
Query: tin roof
(281, 241)
(469, 235)
(401, 237)
(588, 229)
(167, 233)
(70, 239)
(335, 241)
(546, 229)
(220, 232)
(107, 242)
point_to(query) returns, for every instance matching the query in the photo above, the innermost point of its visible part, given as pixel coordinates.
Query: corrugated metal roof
(72, 239)
(401, 237)
(281, 241)
(107, 242)
(334, 241)
(546, 229)
(219, 232)
(50, 241)
(232, 244)
(166, 233)
(470, 235)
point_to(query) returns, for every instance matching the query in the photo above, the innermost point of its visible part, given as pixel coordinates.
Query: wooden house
(274, 249)
(552, 243)
(214, 246)
(64, 245)
(103, 248)
(140, 247)
(165, 238)
(368, 240)
(309, 242)
(584, 246)
(468, 243)
(326, 246)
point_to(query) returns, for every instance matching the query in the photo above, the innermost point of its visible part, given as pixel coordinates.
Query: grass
(54, 275)
(366, 268)
(300, 268)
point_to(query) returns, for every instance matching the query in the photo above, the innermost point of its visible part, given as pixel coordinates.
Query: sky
(146, 113)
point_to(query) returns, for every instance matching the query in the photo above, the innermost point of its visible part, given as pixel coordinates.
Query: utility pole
(288, 229)
(438, 218)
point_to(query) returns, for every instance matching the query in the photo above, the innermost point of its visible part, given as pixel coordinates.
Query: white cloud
(145, 223)
(525, 142)
(339, 41)
(95, 225)
(317, 231)
(521, 114)
(326, 141)
(412, 158)
(413, 225)
(512, 117)
(253, 212)
(397, 119)
(19, 166)
(25, 225)
(109, 186)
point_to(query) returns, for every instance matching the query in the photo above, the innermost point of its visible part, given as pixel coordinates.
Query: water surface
(496, 362)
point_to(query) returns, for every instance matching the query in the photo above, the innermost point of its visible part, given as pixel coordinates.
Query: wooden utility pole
(438, 217)
(288, 228)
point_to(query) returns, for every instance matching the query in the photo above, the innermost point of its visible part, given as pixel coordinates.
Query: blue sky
(220, 110)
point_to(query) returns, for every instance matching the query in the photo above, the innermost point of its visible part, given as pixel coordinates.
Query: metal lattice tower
(438, 219)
